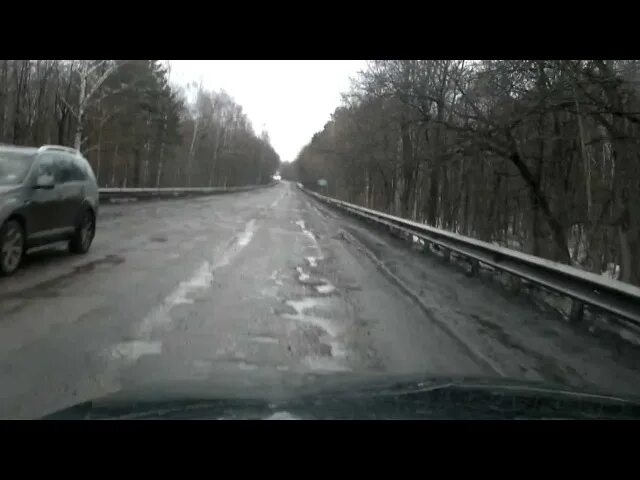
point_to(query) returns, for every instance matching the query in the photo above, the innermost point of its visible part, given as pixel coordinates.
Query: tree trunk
(629, 256)
(98, 156)
(113, 165)
(4, 94)
(541, 202)
(84, 74)
(16, 119)
(191, 152)
(407, 172)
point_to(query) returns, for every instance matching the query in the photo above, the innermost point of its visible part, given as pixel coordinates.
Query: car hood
(356, 397)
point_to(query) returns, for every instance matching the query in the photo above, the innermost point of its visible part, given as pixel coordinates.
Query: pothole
(305, 279)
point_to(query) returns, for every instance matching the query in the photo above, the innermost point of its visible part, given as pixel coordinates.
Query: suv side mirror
(44, 181)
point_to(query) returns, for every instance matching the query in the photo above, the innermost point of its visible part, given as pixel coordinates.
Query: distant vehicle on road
(47, 194)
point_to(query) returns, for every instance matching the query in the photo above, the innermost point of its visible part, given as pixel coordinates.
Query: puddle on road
(274, 277)
(308, 233)
(306, 303)
(326, 364)
(325, 289)
(282, 416)
(337, 351)
(305, 279)
(159, 238)
(333, 352)
(320, 322)
(50, 288)
(301, 306)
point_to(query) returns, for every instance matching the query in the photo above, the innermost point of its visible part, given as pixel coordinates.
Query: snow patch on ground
(302, 276)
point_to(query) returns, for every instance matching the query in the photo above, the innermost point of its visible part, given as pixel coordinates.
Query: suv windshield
(13, 167)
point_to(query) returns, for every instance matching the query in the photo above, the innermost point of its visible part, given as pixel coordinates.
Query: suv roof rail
(58, 147)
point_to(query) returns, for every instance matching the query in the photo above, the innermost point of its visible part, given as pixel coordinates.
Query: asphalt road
(266, 284)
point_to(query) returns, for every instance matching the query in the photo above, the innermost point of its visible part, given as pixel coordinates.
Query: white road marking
(277, 200)
(201, 278)
(246, 236)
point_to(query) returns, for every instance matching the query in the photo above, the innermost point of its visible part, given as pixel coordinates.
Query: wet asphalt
(268, 285)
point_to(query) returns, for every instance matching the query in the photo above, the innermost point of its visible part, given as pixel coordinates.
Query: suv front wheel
(11, 247)
(83, 236)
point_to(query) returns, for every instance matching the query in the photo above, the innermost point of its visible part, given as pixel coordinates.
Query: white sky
(291, 99)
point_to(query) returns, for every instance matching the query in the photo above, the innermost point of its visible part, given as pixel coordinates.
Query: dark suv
(47, 194)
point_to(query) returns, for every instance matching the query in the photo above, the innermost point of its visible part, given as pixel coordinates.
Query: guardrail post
(475, 267)
(577, 311)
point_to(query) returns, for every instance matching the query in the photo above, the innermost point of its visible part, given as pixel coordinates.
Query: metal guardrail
(108, 194)
(584, 288)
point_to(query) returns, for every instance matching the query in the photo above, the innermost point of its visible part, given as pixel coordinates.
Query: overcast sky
(291, 99)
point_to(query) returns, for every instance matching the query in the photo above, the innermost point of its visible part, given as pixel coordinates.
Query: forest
(135, 127)
(537, 155)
